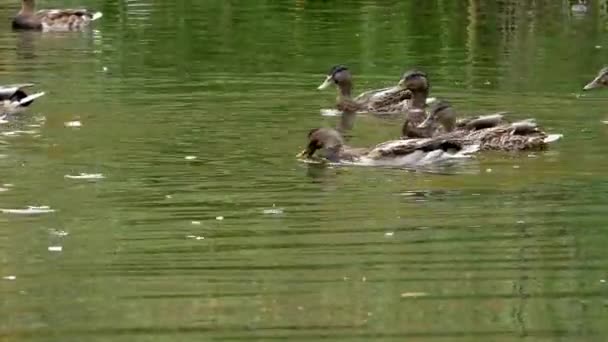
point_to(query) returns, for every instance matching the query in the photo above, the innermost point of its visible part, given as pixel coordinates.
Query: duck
(390, 100)
(53, 19)
(15, 99)
(490, 132)
(327, 144)
(600, 80)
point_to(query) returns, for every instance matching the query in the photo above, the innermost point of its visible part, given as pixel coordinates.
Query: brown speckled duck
(327, 144)
(389, 100)
(52, 20)
(490, 132)
(600, 80)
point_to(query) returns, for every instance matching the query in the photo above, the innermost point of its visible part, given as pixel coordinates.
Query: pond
(200, 224)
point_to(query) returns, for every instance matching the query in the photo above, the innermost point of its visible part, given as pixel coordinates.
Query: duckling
(328, 144)
(489, 131)
(15, 99)
(383, 101)
(600, 81)
(52, 20)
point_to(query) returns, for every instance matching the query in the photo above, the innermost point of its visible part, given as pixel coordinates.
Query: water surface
(205, 227)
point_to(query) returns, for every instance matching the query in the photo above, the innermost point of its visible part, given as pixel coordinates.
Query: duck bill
(401, 84)
(593, 84)
(304, 154)
(326, 83)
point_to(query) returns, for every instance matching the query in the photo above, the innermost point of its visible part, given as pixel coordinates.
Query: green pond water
(207, 228)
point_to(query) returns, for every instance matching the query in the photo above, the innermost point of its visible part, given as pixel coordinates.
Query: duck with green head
(490, 131)
(326, 144)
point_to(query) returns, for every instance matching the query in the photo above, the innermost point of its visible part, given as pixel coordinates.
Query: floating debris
(196, 223)
(73, 124)
(489, 170)
(521, 222)
(195, 237)
(104, 69)
(603, 281)
(273, 211)
(86, 176)
(168, 196)
(28, 211)
(605, 122)
(9, 277)
(3, 189)
(55, 248)
(389, 234)
(60, 233)
(219, 218)
(413, 294)
(190, 157)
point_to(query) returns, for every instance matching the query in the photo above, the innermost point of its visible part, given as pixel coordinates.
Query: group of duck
(431, 131)
(14, 97)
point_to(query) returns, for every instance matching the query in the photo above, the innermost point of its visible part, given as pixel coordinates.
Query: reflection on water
(176, 208)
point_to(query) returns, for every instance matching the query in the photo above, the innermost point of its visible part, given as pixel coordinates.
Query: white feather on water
(28, 211)
(86, 176)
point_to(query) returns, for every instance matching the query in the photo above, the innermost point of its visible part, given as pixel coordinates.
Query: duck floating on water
(600, 80)
(389, 100)
(52, 19)
(15, 99)
(327, 144)
(490, 132)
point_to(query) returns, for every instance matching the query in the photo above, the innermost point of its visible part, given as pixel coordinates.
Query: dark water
(504, 248)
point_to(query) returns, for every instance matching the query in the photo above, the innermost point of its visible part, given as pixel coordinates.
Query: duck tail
(26, 101)
(550, 138)
(96, 15)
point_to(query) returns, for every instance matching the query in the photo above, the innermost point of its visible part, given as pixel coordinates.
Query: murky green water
(504, 248)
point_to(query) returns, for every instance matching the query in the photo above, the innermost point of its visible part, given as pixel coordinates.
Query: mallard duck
(389, 100)
(490, 131)
(53, 19)
(14, 98)
(416, 85)
(600, 81)
(327, 144)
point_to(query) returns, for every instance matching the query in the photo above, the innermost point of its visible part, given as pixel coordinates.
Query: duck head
(418, 84)
(440, 112)
(341, 77)
(327, 141)
(601, 80)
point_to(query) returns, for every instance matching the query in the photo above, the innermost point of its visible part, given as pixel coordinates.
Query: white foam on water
(55, 248)
(9, 277)
(73, 124)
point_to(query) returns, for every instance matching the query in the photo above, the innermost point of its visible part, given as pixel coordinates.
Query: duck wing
(66, 19)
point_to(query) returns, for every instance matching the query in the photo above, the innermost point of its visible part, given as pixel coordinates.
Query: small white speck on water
(168, 196)
(521, 222)
(196, 223)
(345, 278)
(55, 248)
(598, 46)
(219, 218)
(516, 166)
(190, 157)
(364, 279)
(603, 281)
(488, 170)
(72, 124)
(531, 155)
(60, 233)
(487, 83)
(413, 294)
(273, 211)
(200, 238)
(105, 69)
(300, 308)
(9, 277)
(7, 185)
(389, 234)
(85, 176)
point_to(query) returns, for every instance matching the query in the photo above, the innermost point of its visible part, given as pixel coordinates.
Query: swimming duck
(389, 100)
(490, 131)
(53, 19)
(14, 98)
(416, 85)
(600, 81)
(328, 144)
